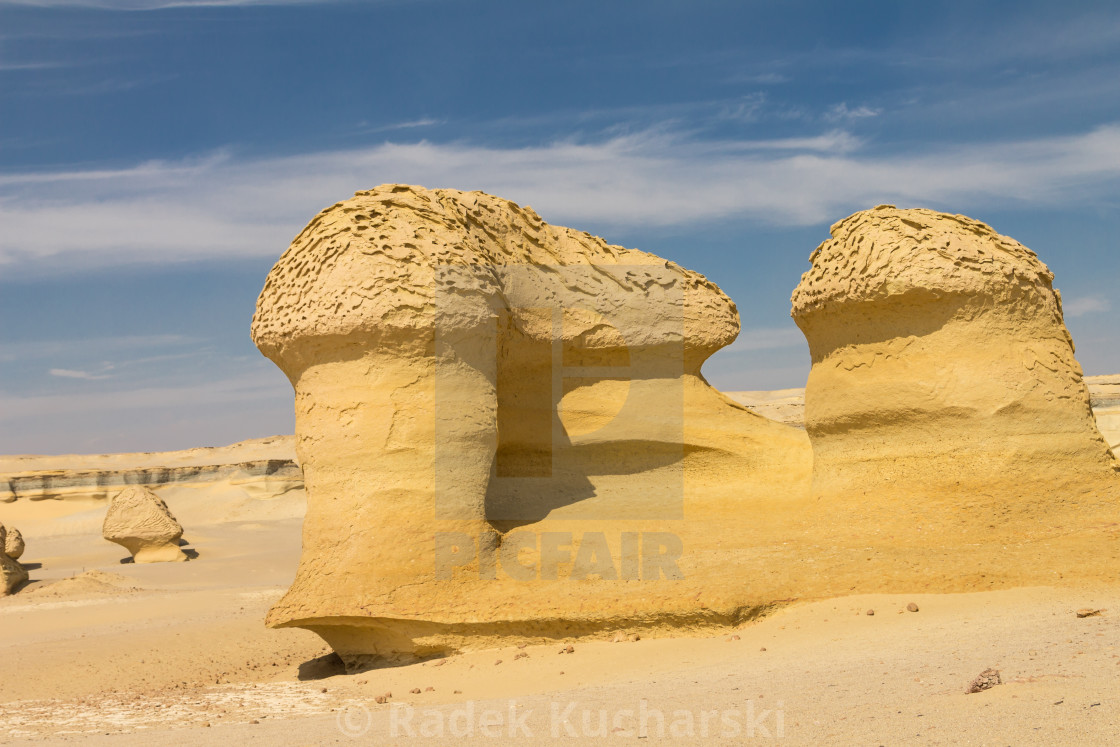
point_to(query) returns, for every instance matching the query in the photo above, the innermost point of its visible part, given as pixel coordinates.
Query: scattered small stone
(522, 645)
(521, 655)
(733, 638)
(382, 699)
(1086, 612)
(415, 691)
(457, 692)
(254, 721)
(568, 650)
(870, 612)
(429, 689)
(986, 680)
(206, 725)
(440, 663)
(912, 607)
(499, 661)
(762, 649)
(323, 690)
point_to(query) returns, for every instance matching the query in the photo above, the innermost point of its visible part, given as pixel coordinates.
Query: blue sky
(156, 157)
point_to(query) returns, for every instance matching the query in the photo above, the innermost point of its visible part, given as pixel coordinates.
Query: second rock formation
(140, 521)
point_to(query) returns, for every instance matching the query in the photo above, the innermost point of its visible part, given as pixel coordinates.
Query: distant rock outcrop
(1104, 394)
(262, 468)
(944, 398)
(12, 574)
(140, 521)
(467, 379)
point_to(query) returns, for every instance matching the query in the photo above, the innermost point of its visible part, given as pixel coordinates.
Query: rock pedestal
(12, 574)
(140, 521)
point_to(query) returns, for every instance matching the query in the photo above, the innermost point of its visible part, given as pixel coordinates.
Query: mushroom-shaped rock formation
(499, 419)
(13, 544)
(945, 406)
(140, 521)
(12, 574)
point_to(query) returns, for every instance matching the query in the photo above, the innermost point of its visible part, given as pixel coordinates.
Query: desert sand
(832, 584)
(151, 654)
(95, 651)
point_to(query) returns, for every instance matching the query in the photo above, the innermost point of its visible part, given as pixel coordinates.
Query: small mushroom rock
(140, 521)
(13, 544)
(12, 574)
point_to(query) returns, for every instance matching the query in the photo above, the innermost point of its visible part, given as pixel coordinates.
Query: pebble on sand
(986, 680)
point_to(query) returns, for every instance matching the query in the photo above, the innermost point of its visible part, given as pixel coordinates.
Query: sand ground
(178, 654)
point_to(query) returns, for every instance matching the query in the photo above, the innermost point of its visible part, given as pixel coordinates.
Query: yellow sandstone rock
(13, 545)
(504, 432)
(945, 406)
(12, 574)
(140, 521)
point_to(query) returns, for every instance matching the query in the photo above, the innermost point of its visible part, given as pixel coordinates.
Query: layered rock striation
(263, 468)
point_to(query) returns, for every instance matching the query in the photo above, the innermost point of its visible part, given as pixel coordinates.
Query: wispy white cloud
(209, 411)
(841, 112)
(765, 79)
(232, 390)
(836, 141)
(6, 67)
(89, 346)
(410, 125)
(766, 338)
(1086, 305)
(747, 109)
(66, 373)
(223, 206)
